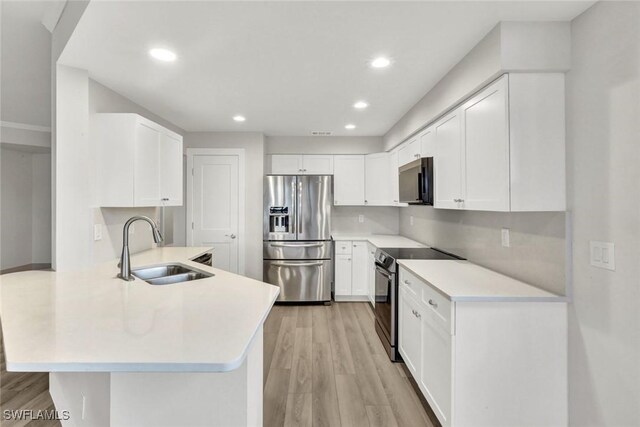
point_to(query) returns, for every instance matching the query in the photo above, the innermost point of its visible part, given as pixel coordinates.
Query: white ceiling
(289, 67)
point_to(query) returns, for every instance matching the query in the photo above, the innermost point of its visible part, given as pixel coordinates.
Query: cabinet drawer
(438, 305)
(411, 284)
(343, 247)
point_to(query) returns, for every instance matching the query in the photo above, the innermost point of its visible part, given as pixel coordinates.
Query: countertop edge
(556, 299)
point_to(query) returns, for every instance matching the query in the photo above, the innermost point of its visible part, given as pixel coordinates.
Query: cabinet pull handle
(406, 282)
(433, 304)
(165, 199)
(415, 313)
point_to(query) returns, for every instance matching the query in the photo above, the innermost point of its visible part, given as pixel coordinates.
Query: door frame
(240, 152)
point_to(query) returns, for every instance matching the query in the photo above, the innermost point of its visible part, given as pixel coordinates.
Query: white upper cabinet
(286, 164)
(394, 177)
(171, 164)
(486, 149)
(348, 180)
(428, 142)
(377, 179)
(298, 164)
(504, 148)
(140, 163)
(409, 151)
(317, 164)
(448, 162)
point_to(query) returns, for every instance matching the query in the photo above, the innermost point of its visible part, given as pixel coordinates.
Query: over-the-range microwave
(416, 182)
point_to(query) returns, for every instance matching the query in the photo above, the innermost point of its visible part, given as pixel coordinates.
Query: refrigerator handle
(299, 209)
(294, 223)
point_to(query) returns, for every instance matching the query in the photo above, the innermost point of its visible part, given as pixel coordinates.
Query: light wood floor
(325, 366)
(23, 390)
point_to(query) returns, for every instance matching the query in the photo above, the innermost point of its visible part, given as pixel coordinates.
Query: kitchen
(453, 266)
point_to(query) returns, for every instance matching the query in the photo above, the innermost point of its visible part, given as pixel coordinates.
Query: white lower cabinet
(371, 273)
(351, 271)
(484, 362)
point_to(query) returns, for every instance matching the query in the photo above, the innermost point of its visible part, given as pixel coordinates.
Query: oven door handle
(383, 272)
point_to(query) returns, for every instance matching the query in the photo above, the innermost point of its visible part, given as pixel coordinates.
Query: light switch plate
(506, 239)
(602, 255)
(97, 232)
(360, 218)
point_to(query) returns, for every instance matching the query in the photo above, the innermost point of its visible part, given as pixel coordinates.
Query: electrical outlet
(506, 239)
(602, 255)
(411, 220)
(84, 406)
(97, 232)
(360, 218)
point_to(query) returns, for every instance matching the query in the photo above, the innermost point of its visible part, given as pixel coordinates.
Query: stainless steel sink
(167, 274)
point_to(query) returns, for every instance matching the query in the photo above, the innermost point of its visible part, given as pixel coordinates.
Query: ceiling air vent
(321, 133)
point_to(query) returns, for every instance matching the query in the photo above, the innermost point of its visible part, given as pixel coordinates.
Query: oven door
(385, 307)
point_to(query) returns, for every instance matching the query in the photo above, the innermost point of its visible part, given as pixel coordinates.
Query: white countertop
(465, 281)
(381, 240)
(92, 321)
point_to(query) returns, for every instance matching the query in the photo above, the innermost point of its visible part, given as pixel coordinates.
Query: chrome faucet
(125, 262)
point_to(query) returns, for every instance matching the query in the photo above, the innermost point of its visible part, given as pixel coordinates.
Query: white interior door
(215, 210)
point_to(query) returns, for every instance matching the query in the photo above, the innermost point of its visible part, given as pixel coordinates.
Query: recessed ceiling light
(350, 126)
(380, 62)
(163, 54)
(360, 105)
(239, 118)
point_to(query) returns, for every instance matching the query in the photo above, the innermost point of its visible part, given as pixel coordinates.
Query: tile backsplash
(537, 250)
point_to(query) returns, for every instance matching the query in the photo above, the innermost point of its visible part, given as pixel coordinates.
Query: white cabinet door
(394, 177)
(428, 142)
(342, 275)
(377, 183)
(448, 173)
(317, 164)
(348, 180)
(409, 151)
(359, 282)
(371, 273)
(147, 166)
(286, 164)
(486, 144)
(410, 332)
(436, 369)
(171, 170)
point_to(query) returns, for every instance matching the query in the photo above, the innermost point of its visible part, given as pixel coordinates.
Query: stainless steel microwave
(416, 182)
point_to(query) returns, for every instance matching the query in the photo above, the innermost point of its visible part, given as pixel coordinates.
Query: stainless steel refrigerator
(297, 247)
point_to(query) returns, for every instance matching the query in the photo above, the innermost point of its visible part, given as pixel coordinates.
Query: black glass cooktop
(418, 253)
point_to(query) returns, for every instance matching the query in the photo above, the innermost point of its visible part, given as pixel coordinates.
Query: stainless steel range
(386, 306)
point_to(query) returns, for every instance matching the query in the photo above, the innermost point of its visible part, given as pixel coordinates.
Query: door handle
(300, 264)
(304, 245)
(233, 236)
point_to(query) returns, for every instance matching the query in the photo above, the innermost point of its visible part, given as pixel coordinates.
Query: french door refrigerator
(297, 247)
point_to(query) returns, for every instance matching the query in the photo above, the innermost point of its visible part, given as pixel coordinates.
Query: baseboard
(351, 298)
(26, 267)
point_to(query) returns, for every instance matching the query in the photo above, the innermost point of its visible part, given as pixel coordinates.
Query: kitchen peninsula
(132, 353)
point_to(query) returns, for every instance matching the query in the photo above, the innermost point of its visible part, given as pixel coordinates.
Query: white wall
(253, 143)
(603, 153)
(41, 209)
(77, 210)
(15, 183)
(509, 46)
(377, 220)
(323, 144)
